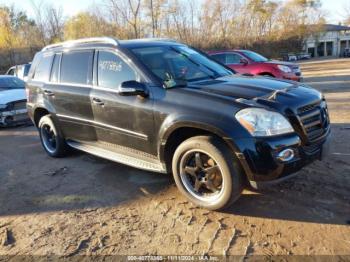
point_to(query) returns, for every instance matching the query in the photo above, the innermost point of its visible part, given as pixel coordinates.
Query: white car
(13, 101)
(20, 71)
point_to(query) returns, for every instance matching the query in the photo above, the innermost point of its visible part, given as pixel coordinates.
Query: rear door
(120, 120)
(69, 92)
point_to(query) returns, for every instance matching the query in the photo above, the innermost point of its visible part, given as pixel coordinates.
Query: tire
(218, 158)
(267, 75)
(51, 138)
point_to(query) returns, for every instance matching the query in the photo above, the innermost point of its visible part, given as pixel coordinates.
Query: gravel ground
(85, 205)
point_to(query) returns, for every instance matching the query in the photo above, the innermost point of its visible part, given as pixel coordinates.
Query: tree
(49, 21)
(347, 14)
(155, 10)
(129, 11)
(86, 24)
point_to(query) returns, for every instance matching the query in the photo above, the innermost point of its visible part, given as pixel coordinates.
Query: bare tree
(55, 23)
(155, 9)
(49, 21)
(129, 10)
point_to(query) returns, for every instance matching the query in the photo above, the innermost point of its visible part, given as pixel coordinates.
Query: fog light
(286, 155)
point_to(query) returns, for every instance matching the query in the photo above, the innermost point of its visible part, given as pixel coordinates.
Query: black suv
(162, 106)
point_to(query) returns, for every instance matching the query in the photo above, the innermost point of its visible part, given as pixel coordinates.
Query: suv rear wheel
(51, 139)
(206, 172)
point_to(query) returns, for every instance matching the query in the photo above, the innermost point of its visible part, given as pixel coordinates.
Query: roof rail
(106, 40)
(155, 39)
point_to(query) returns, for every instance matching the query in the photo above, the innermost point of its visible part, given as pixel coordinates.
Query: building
(331, 41)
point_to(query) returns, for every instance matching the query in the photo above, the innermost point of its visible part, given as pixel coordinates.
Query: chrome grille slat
(311, 114)
(314, 123)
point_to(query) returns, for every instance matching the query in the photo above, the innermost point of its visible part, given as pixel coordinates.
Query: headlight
(261, 122)
(284, 68)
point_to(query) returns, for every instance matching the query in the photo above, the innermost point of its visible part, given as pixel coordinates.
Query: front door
(235, 61)
(120, 120)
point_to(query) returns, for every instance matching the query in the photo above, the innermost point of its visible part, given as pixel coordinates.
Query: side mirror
(132, 88)
(243, 61)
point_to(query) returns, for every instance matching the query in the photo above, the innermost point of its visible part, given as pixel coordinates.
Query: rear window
(11, 71)
(76, 67)
(8, 83)
(42, 71)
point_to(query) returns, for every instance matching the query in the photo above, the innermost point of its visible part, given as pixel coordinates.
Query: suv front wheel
(207, 173)
(51, 139)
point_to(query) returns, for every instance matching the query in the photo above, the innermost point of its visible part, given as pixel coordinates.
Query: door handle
(49, 93)
(97, 101)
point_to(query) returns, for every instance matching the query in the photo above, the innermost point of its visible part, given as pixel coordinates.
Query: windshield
(255, 56)
(8, 83)
(177, 65)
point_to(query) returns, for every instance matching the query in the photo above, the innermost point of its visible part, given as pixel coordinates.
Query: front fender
(216, 126)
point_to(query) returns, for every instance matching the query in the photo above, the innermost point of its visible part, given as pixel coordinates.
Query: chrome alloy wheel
(201, 175)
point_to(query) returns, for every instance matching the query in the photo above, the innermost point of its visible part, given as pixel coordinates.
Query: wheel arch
(39, 112)
(266, 74)
(181, 131)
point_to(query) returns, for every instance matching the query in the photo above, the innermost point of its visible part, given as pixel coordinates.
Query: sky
(333, 8)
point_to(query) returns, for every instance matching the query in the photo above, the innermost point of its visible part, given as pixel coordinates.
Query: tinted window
(176, 65)
(42, 71)
(11, 71)
(233, 58)
(76, 67)
(8, 83)
(112, 70)
(26, 69)
(55, 68)
(220, 58)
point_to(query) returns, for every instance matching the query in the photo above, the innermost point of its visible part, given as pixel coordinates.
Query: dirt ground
(85, 205)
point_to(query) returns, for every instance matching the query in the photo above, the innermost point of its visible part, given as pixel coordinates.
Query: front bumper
(13, 117)
(293, 77)
(259, 159)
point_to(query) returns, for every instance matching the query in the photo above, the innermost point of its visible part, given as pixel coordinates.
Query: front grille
(314, 120)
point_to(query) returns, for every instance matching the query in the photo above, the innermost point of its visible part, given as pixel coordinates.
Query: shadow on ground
(31, 182)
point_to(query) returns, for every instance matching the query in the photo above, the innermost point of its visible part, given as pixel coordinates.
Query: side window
(42, 71)
(26, 69)
(55, 68)
(220, 58)
(112, 70)
(76, 67)
(11, 72)
(232, 58)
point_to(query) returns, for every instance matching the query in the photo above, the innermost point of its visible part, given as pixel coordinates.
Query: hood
(238, 87)
(278, 62)
(12, 95)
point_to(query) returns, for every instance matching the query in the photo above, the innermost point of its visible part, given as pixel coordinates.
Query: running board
(129, 157)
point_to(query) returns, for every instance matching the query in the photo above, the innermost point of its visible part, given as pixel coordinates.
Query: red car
(248, 62)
